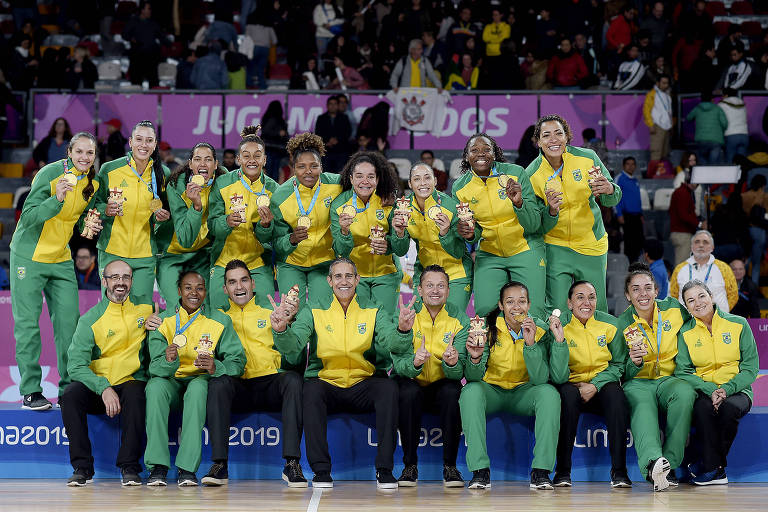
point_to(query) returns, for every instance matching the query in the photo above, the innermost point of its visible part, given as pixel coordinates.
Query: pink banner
(245, 110)
(624, 114)
(756, 106)
(303, 110)
(581, 111)
(78, 109)
(191, 118)
(505, 118)
(128, 108)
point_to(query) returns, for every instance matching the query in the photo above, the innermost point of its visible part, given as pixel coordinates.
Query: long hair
(386, 186)
(498, 154)
(553, 117)
(67, 129)
(187, 171)
(490, 320)
(157, 164)
(88, 190)
(638, 269)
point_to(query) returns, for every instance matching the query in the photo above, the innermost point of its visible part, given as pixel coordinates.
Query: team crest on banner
(601, 340)
(666, 325)
(577, 174)
(361, 328)
(21, 272)
(727, 338)
(380, 214)
(261, 324)
(413, 111)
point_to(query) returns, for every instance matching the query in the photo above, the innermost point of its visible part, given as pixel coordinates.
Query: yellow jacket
(190, 227)
(493, 35)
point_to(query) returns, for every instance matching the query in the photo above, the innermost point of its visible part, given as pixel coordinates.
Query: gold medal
(554, 184)
(434, 211)
(304, 222)
(155, 204)
(350, 210)
(70, 178)
(503, 179)
(262, 200)
(198, 180)
(519, 318)
(179, 340)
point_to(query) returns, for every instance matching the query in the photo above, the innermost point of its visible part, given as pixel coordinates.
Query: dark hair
(232, 151)
(588, 134)
(435, 268)
(157, 164)
(498, 154)
(387, 185)
(331, 98)
(685, 158)
(187, 171)
(250, 134)
(654, 248)
(664, 75)
(579, 283)
(274, 110)
(549, 118)
(706, 96)
(67, 129)
(341, 259)
(235, 264)
(637, 269)
(490, 320)
(729, 91)
(758, 182)
(88, 190)
(693, 283)
(184, 273)
(419, 164)
(627, 159)
(306, 142)
(427, 151)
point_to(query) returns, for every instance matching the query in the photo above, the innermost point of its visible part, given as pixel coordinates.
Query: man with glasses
(107, 362)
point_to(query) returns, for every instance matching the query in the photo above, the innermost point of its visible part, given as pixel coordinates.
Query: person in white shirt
(328, 21)
(631, 71)
(657, 114)
(737, 134)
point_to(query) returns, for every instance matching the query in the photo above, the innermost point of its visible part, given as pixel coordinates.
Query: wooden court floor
(108, 495)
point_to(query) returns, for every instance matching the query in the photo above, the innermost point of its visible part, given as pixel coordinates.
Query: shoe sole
(187, 483)
(209, 481)
(453, 483)
(479, 486)
(542, 487)
(78, 484)
(563, 484)
(391, 485)
(620, 485)
(407, 483)
(131, 483)
(323, 485)
(719, 481)
(157, 484)
(295, 485)
(40, 408)
(659, 473)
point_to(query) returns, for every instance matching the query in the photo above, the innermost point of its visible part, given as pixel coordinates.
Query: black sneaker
(409, 477)
(714, 477)
(186, 478)
(322, 480)
(293, 474)
(158, 476)
(672, 479)
(385, 479)
(36, 402)
(217, 475)
(129, 477)
(80, 477)
(657, 473)
(481, 479)
(562, 480)
(620, 479)
(540, 480)
(452, 477)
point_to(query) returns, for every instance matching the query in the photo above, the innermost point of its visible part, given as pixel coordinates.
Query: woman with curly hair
(188, 245)
(496, 210)
(568, 182)
(240, 219)
(302, 238)
(361, 222)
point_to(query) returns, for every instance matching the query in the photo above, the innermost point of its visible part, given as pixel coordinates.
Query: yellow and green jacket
(254, 328)
(45, 226)
(436, 335)
(213, 326)
(131, 235)
(318, 248)
(250, 240)
(449, 251)
(726, 358)
(588, 353)
(110, 345)
(190, 227)
(579, 224)
(344, 348)
(509, 363)
(357, 244)
(673, 316)
(501, 228)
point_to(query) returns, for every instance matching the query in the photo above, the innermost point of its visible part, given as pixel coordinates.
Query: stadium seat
(438, 164)
(455, 171)
(403, 167)
(645, 199)
(51, 28)
(661, 198)
(125, 9)
(166, 71)
(11, 170)
(617, 262)
(716, 9)
(614, 286)
(741, 7)
(721, 27)
(6, 200)
(752, 29)
(110, 70)
(619, 306)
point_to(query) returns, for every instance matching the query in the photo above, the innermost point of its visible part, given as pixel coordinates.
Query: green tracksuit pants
(459, 291)
(646, 397)
(564, 266)
(312, 281)
(492, 272)
(166, 394)
(169, 268)
(263, 285)
(29, 281)
(143, 284)
(478, 399)
(382, 290)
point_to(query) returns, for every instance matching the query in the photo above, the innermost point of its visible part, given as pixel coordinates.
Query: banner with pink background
(78, 109)
(581, 112)
(624, 115)
(129, 109)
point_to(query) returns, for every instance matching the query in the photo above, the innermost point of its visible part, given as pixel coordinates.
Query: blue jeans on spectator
(322, 45)
(258, 67)
(735, 145)
(709, 153)
(758, 249)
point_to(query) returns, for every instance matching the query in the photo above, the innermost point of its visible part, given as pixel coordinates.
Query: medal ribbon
(245, 184)
(67, 171)
(658, 337)
(706, 277)
(516, 336)
(153, 187)
(180, 330)
(311, 204)
(354, 203)
(557, 172)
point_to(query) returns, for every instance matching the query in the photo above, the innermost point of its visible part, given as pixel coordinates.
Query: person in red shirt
(620, 31)
(683, 221)
(566, 69)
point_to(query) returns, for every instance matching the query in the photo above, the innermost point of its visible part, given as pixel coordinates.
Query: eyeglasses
(117, 277)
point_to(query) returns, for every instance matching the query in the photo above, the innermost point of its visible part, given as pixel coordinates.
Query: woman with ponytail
(240, 220)
(41, 261)
(186, 242)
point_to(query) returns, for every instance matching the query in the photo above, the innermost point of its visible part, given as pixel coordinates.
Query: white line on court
(314, 502)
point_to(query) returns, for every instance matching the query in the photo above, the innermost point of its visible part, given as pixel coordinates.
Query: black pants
(77, 402)
(611, 403)
(143, 66)
(377, 394)
(634, 238)
(716, 430)
(276, 392)
(441, 397)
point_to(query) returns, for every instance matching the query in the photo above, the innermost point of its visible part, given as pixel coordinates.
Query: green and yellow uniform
(510, 244)
(41, 261)
(651, 386)
(380, 274)
(130, 237)
(179, 384)
(511, 376)
(249, 241)
(449, 251)
(575, 238)
(306, 263)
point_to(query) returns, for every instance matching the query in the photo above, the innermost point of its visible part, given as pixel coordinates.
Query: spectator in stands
(729, 226)
(566, 68)
(595, 143)
(235, 63)
(222, 30)
(653, 252)
(589, 56)
(658, 27)
(344, 109)
(335, 131)
(7, 99)
(184, 69)
(741, 74)
(264, 37)
(329, 22)
(49, 72)
(352, 79)
(697, 22)
(166, 156)
(703, 73)
(441, 176)
(462, 30)
(703, 266)
(81, 72)
(545, 32)
(116, 141)
(433, 50)
(657, 114)
(534, 69)
(228, 160)
(527, 149)
(683, 221)
(748, 305)
(494, 34)
(86, 271)
(274, 133)
(416, 19)
(209, 71)
(465, 75)
(629, 211)
(54, 145)
(710, 128)
(413, 70)
(730, 42)
(737, 133)
(620, 31)
(143, 33)
(644, 47)
(23, 65)
(657, 68)
(755, 203)
(631, 71)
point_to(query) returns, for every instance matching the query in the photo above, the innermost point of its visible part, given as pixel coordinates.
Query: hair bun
(250, 130)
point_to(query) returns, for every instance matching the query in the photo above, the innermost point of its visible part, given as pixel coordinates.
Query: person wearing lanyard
(586, 366)
(301, 206)
(647, 338)
(361, 222)
(717, 355)
(431, 222)
(240, 219)
(187, 243)
(193, 343)
(570, 185)
(509, 372)
(132, 196)
(503, 220)
(41, 261)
